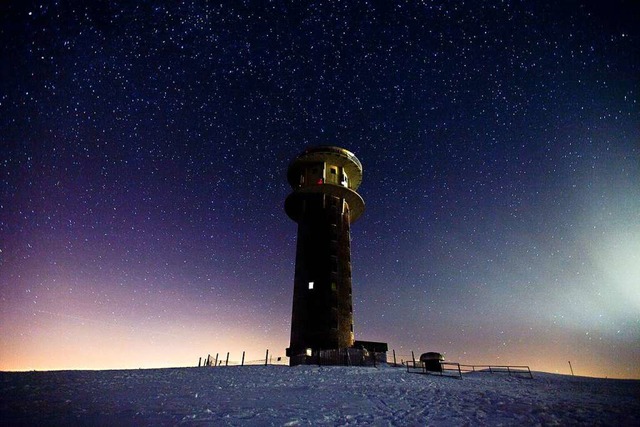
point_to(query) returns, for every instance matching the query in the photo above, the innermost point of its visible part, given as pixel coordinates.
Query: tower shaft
(323, 203)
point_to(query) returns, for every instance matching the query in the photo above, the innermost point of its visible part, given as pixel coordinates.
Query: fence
(497, 369)
(360, 357)
(334, 357)
(446, 369)
(219, 361)
(454, 369)
(347, 357)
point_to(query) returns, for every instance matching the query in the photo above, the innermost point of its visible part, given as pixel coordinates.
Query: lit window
(310, 285)
(334, 287)
(320, 181)
(308, 352)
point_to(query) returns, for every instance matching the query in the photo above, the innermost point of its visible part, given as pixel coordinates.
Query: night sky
(144, 150)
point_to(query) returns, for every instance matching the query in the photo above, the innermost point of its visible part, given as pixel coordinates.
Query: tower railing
(338, 150)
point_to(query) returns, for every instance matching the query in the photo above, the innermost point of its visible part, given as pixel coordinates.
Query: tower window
(310, 285)
(334, 232)
(334, 264)
(334, 171)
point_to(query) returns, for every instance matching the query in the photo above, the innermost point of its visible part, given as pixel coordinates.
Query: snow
(311, 395)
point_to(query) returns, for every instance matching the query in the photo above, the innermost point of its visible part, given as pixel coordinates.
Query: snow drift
(308, 395)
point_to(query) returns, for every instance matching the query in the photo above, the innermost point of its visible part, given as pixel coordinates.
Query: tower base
(363, 353)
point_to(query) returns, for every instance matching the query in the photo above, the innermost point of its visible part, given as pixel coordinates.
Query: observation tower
(324, 203)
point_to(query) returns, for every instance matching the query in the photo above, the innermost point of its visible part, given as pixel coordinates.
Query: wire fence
(348, 357)
(360, 357)
(224, 360)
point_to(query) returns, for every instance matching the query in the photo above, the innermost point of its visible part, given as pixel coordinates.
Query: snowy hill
(307, 395)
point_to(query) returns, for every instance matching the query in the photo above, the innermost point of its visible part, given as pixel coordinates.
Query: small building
(431, 361)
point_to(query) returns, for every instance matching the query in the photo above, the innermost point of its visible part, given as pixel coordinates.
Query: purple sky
(144, 152)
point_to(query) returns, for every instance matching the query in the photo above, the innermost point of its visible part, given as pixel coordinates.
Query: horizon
(284, 363)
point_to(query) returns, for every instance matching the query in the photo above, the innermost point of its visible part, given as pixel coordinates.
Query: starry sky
(144, 148)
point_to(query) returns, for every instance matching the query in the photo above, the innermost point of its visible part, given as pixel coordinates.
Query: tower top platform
(330, 154)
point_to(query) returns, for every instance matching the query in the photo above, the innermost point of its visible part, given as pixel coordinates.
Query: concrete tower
(324, 203)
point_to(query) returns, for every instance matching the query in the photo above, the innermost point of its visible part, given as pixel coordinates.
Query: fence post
(208, 360)
(226, 363)
(413, 358)
(199, 361)
(266, 358)
(394, 359)
(242, 364)
(216, 359)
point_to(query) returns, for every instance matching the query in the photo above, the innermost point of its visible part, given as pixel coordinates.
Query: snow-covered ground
(309, 395)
